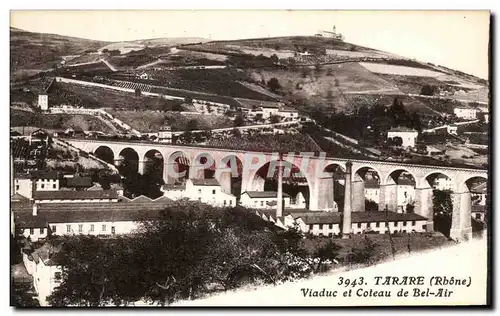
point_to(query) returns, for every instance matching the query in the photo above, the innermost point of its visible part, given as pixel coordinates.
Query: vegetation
(442, 209)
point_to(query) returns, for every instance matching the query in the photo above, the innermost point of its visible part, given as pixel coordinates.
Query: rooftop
(75, 195)
(480, 188)
(402, 129)
(207, 182)
(264, 194)
(79, 182)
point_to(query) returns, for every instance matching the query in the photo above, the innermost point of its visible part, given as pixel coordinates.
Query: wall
(77, 201)
(37, 233)
(121, 227)
(47, 185)
(24, 187)
(261, 202)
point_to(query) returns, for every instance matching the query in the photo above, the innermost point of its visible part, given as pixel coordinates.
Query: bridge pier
(424, 205)
(358, 194)
(321, 197)
(141, 166)
(346, 219)
(461, 226)
(389, 195)
(223, 176)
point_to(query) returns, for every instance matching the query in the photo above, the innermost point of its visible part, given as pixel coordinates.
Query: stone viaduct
(314, 169)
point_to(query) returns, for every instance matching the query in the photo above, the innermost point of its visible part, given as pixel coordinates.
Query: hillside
(34, 52)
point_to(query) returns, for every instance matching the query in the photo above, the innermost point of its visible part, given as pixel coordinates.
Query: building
(478, 193)
(288, 112)
(165, 134)
(329, 223)
(43, 101)
(405, 193)
(407, 135)
(43, 264)
(478, 212)
(75, 196)
(207, 191)
(442, 182)
(26, 184)
(78, 183)
(372, 190)
(262, 199)
(465, 112)
(452, 129)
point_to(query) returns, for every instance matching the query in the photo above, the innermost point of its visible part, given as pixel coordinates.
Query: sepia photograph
(249, 158)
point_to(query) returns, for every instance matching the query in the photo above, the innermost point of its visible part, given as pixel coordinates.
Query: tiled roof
(75, 195)
(264, 194)
(288, 109)
(478, 208)
(207, 182)
(357, 217)
(25, 219)
(19, 198)
(372, 184)
(401, 129)
(79, 182)
(41, 174)
(480, 188)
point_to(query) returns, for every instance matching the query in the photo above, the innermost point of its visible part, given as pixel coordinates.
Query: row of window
(199, 191)
(42, 186)
(69, 229)
(369, 225)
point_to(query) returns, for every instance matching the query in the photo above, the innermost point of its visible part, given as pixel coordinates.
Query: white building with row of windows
(207, 191)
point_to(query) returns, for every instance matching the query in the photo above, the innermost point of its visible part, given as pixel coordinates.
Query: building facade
(407, 135)
(465, 112)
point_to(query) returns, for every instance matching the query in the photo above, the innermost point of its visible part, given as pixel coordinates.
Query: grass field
(57, 121)
(400, 70)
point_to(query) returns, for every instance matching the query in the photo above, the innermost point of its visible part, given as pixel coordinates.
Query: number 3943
(351, 282)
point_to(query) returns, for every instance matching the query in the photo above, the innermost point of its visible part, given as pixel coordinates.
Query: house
(407, 135)
(165, 133)
(288, 112)
(269, 109)
(478, 193)
(405, 193)
(478, 212)
(23, 185)
(372, 190)
(433, 150)
(329, 223)
(204, 190)
(452, 129)
(26, 184)
(262, 199)
(43, 101)
(75, 196)
(209, 191)
(465, 112)
(44, 265)
(442, 182)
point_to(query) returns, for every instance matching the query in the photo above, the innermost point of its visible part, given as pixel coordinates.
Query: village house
(75, 196)
(26, 184)
(478, 193)
(288, 112)
(263, 199)
(407, 135)
(207, 191)
(165, 134)
(465, 112)
(43, 101)
(372, 190)
(329, 223)
(405, 193)
(442, 182)
(77, 183)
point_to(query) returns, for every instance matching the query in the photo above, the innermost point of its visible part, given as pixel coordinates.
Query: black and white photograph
(249, 158)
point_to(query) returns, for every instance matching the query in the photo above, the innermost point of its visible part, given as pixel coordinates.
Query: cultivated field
(57, 121)
(399, 70)
(151, 121)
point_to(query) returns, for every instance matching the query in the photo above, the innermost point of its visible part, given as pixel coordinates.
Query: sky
(456, 39)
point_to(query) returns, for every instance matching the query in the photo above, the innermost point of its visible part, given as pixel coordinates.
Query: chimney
(346, 223)
(35, 209)
(279, 205)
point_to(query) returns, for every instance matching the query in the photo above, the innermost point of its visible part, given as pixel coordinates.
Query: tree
(23, 295)
(274, 119)
(239, 120)
(192, 125)
(371, 206)
(138, 92)
(364, 254)
(329, 72)
(442, 206)
(428, 90)
(397, 141)
(274, 85)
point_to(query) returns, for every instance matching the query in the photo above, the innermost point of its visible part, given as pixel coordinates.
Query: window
(311, 226)
(224, 202)
(213, 191)
(404, 230)
(91, 227)
(359, 225)
(404, 223)
(32, 231)
(42, 231)
(113, 231)
(53, 186)
(104, 227)
(330, 234)
(377, 224)
(68, 228)
(54, 228)
(386, 224)
(17, 187)
(230, 202)
(199, 199)
(80, 228)
(368, 225)
(199, 191)
(42, 186)
(330, 226)
(261, 203)
(413, 223)
(320, 226)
